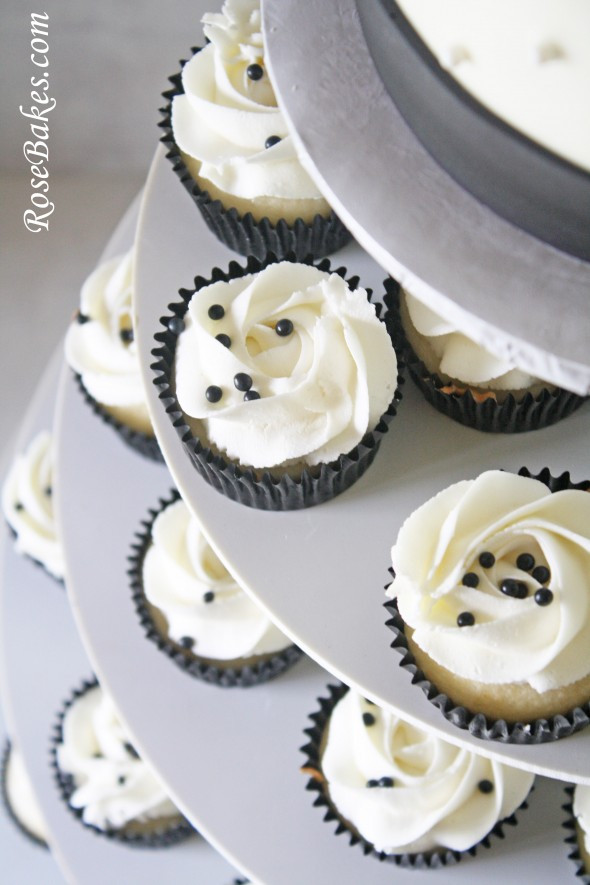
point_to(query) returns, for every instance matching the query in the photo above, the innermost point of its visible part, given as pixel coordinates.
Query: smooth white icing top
(512, 640)
(435, 801)
(113, 785)
(27, 504)
(224, 118)
(452, 353)
(95, 349)
(321, 388)
(179, 568)
(526, 61)
(582, 812)
(21, 797)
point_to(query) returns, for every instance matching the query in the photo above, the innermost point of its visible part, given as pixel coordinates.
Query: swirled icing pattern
(183, 577)
(405, 789)
(447, 351)
(101, 346)
(582, 812)
(224, 118)
(536, 630)
(113, 785)
(27, 504)
(322, 386)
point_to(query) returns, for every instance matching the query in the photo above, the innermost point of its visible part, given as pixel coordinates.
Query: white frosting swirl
(582, 812)
(113, 785)
(434, 802)
(183, 577)
(321, 388)
(27, 504)
(224, 118)
(450, 353)
(102, 348)
(21, 797)
(512, 639)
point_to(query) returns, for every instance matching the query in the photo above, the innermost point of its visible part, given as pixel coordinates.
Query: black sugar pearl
(19, 506)
(485, 786)
(525, 562)
(209, 596)
(82, 318)
(216, 312)
(186, 642)
(255, 71)
(126, 336)
(131, 750)
(541, 574)
(48, 491)
(486, 559)
(372, 783)
(470, 579)
(368, 719)
(250, 395)
(223, 339)
(213, 393)
(465, 619)
(272, 140)
(386, 782)
(121, 779)
(543, 596)
(242, 381)
(284, 327)
(514, 588)
(176, 325)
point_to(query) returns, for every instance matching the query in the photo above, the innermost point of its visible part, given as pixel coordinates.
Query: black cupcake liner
(243, 233)
(19, 824)
(145, 444)
(178, 830)
(259, 489)
(238, 674)
(569, 824)
(538, 731)
(417, 861)
(531, 412)
(37, 562)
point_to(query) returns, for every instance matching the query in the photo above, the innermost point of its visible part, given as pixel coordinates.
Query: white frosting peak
(582, 812)
(21, 796)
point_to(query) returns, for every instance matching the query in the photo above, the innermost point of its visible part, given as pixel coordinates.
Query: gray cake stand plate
(500, 285)
(320, 572)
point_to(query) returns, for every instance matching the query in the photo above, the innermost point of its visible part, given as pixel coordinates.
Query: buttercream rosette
(467, 382)
(19, 798)
(230, 146)
(101, 349)
(577, 823)
(103, 780)
(280, 379)
(402, 793)
(194, 611)
(493, 592)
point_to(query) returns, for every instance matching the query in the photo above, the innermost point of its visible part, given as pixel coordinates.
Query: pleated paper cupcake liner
(145, 444)
(481, 410)
(19, 824)
(237, 672)
(582, 874)
(243, 233)
(177, 829)
(261, 489)
(317, 784)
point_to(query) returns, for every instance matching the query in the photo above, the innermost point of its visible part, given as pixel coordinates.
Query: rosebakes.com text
(36, 150)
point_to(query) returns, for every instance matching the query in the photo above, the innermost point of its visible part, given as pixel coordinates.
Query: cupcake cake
(100, 347)
(19, 797)
(27, 504)
(492, 584)
(403, 793)
(280, 379)
(104, 781)
(230, 145)
(581, 814)
(470, 384)
(193, 609)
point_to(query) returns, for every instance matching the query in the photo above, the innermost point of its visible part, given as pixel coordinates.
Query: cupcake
(280, 379)
(468, 383)
(580, 809)
(230, 146)
(104, 781)
(19, 797)
(193, 609)
(403, 793)
(27, 504)
(100, 347)
(492, 584)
